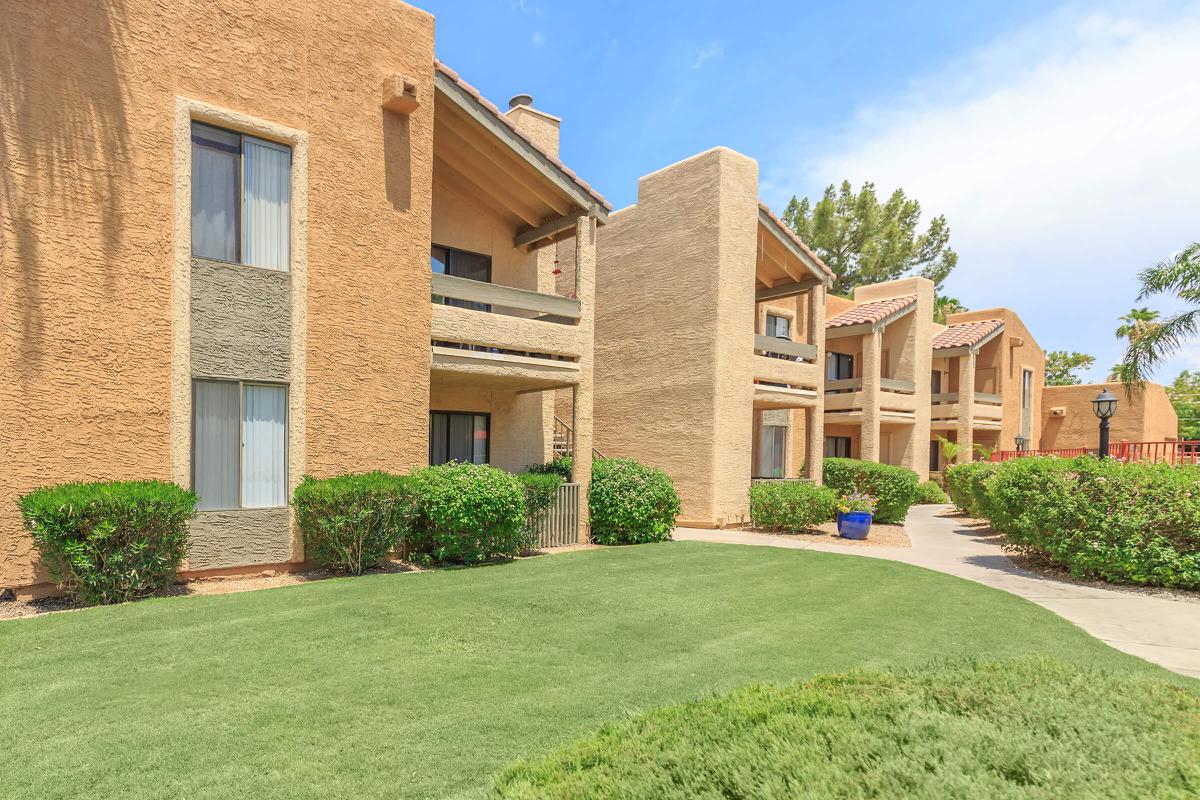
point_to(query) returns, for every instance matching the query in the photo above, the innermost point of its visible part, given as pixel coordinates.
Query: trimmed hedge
(540, 490)
(967, 484)
(791, 506)
(351, 523)
(630, 503)
(1125, 523)
(561, 466)
(896, 488)
(110, 542)
(466, 513)
(931, 494)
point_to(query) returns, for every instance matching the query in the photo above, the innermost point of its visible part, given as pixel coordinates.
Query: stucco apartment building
(709, 337)
(269, 245)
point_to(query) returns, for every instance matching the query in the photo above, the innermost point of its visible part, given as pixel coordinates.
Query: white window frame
(287, 439)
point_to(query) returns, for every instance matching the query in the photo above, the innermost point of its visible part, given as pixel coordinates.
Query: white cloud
(1066, 157)
(539, 39)
(706, 53)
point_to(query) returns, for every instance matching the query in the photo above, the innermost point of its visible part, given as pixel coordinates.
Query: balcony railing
(508, 300)
(856, 384)
(948, 398)
(1172, 452)
(785, 348)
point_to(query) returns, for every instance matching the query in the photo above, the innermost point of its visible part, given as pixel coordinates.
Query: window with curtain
(458, 437)
(839, 366)
(772, 439)
(241, 198)
(837, 447)
(778, 327)
(461, 264)
(239, 445)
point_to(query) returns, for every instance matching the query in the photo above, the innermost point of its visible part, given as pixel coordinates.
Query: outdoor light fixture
(1104, 406)
(1021, 442)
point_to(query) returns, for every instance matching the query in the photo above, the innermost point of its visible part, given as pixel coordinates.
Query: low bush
(1125, 523)
(465, 514)
(110, 542)
(540, 490)
(967, 483)
(561, 466)
(790, 506)
(896, 488)
(351, 523)
(931, 494)
(630, 503)
(1030, 728)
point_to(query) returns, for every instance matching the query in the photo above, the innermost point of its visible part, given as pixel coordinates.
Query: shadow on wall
(397, 160)
(64, 145)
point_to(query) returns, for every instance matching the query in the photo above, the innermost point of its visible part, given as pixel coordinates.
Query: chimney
(540, 127)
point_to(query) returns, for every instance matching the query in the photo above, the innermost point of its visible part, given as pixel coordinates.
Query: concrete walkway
(1158, 628)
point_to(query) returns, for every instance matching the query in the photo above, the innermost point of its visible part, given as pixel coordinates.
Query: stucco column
(871, 366)
(966, 407)
(581, 421)
(814, 419)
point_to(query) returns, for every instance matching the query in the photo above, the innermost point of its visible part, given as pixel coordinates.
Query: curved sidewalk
(1160, 629)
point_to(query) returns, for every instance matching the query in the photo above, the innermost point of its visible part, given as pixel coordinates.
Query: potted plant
(856, 511)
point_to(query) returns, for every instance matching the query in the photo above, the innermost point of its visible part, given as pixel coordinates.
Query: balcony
(786, 373)
(509, 338)
(946, 409)
(845, 398)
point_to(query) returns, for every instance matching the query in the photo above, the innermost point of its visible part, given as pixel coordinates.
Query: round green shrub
(630, 503)
(967, 485)
(791, 506)
(931, 494)
(110, 542)
(466, 513)
(896, 488)
(351, 523)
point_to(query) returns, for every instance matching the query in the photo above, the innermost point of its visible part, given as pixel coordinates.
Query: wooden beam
(450, 179)
(453, 92)
(470, 173)
(785, 289)
(789, 245)
(452, 128)
(780, 259)
(551, 228)
(787, 347)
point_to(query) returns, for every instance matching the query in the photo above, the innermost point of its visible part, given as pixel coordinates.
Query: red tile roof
(966, 334)
(501, 116)
(872, 312)
(788, 232)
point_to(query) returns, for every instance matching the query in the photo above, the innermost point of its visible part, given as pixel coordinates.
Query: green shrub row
(1125, 523)
(966, 484)
(931, 494)
(896, 488)
(791, 506)
(630, 503)
(110, 542)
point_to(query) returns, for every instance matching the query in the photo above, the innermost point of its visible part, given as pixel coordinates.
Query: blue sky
(1061, 142)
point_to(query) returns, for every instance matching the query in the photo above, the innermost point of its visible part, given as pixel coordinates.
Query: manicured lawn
(426, 685)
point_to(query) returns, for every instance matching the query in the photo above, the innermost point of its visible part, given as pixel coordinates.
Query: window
(838, 366)
(458, 437)
(1026, 388)
(241, 198)
(779, 327)
(460, 264)
(935, 463)
(935, 381)
(239, 445)
(772, 439)
(837, 447)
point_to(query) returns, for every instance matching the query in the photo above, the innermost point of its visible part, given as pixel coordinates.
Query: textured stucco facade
(96, 298)
(1069, 422)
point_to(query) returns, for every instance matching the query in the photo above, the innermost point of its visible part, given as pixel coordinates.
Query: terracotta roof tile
(965, 334)
(500, 115)
(870, 313)
(791, 234)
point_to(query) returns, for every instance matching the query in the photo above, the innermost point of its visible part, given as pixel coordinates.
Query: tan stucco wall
(1147, 416)
(88, 188)
(674, 330)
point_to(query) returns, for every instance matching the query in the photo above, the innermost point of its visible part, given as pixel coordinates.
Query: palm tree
(1179, 275)
(1137, 322)
(943, 306)
(950, 450)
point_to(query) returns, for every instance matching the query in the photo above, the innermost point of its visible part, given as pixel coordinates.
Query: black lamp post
(1021, 442)
(1104, 406)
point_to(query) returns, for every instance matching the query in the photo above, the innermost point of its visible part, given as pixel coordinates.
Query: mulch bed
(881, 536)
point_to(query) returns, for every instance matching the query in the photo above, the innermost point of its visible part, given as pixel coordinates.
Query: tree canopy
(865, 241)
(1185, 396)
(1151, 342)
(1061, 366)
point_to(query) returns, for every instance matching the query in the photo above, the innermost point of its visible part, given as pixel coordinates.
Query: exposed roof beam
(789, 289)
(468, 172)
(551, 228)
(789, 245)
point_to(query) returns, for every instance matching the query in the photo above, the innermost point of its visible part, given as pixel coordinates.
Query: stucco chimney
(539, 126)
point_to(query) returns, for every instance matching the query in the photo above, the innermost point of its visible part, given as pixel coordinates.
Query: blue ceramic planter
(854, 524)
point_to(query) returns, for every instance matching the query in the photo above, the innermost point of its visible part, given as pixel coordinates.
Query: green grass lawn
(426, 685)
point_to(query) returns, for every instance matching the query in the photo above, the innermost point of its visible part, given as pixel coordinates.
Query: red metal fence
(1164, 452)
